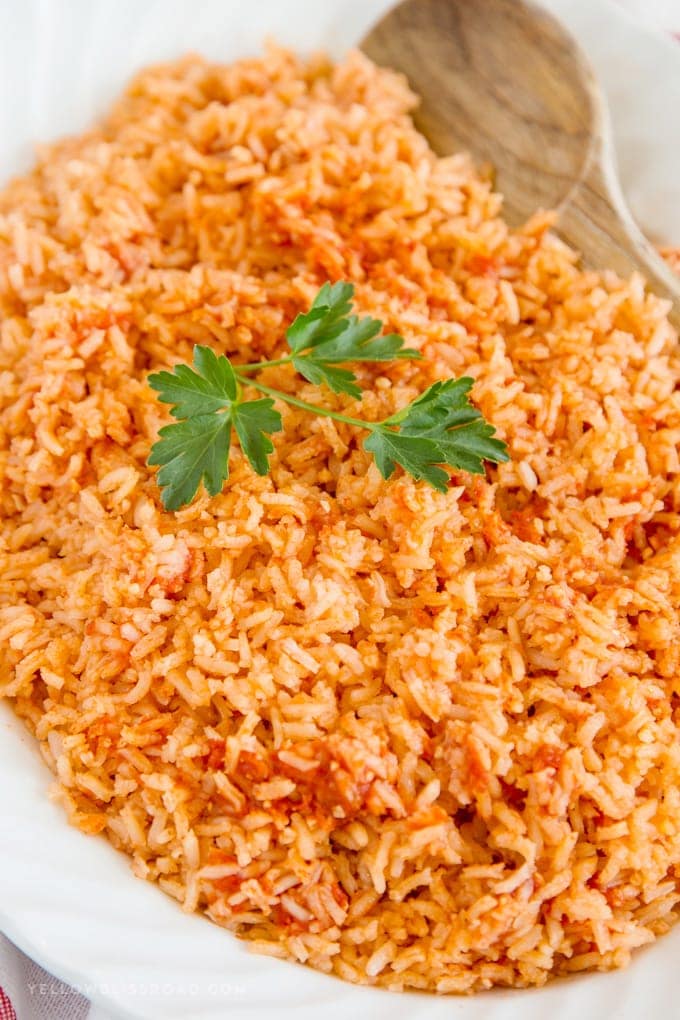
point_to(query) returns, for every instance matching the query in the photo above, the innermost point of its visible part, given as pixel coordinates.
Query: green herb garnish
(327, 336)
(440, 427)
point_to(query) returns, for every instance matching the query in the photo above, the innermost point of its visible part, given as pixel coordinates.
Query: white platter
(71, 902)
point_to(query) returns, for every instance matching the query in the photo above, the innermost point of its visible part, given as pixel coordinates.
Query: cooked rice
(418, 740)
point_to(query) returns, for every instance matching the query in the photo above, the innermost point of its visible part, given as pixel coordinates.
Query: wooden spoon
(504, 80)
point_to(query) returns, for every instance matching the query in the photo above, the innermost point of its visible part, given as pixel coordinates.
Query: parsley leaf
(195, 449)
(443, 405)
(449, 430)
(191, 452)
(444, 414)
(210, 387)
(439, 428)
(329, 305)
(254, 421)
(327, 336)
(339, 380)
(468, 446)
(417, 456)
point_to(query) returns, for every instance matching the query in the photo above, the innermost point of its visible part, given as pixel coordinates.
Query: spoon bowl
(504, 80)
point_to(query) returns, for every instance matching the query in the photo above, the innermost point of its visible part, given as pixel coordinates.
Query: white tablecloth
(27, 992)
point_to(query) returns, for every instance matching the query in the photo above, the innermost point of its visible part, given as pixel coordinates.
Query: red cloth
(6, 1008)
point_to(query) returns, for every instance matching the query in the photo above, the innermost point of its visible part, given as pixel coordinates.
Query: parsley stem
(313, 408)
(256, 366)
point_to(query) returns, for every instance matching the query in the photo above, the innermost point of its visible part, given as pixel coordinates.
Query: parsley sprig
(440, 427)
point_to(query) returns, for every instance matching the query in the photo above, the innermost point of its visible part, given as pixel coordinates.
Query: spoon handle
(596, 220)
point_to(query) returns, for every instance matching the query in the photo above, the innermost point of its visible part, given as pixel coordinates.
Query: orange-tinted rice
(418, 740)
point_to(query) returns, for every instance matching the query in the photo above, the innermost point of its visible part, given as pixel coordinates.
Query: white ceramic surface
(71, 902)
